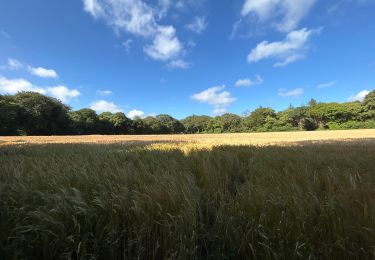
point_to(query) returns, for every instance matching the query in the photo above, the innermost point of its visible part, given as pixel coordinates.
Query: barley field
(303, 195)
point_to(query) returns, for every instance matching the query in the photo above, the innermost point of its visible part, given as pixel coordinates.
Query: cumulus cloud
(327, 84)
(63, 93)
(13, 86)
(294, 93)
(105, 92)
(139, 18)
(105, 106)
(42, 72)
(216, 97)
(360, 96)
(249, 82)
(135, 114)
(291, 49)
(198, 25)
(165, 45)
(285, 15)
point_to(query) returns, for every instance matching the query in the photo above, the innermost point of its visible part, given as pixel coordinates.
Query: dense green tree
(258, 118)
(196, 124)
(10, 116)
(42, 115)
(35, 114)
(114, 123)
(152, 125)
(230, 122)
(369, 100)
(170, 125)
(84, 121)
(335, 112)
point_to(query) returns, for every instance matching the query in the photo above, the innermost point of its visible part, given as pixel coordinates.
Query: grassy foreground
(187, 201)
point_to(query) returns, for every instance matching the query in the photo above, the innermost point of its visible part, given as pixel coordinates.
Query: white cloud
(63, 93)
(287, 51)
(13, 86)
(165, 45)
(198, 25)
(216, 97)
(295, 93)
(139, 18)
(105, 92)
(284, 15)
(249, 82)
(135, 114)
(92, 7)
(179, 64)
(105, 106)
(360, 96)
(327, 84)
(42, 72)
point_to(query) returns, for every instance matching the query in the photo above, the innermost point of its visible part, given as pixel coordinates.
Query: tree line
(30, 113)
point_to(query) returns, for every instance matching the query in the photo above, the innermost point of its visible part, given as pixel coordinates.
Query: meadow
(296, 195)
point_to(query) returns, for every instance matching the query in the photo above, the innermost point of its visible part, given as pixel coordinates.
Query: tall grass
(315, 201)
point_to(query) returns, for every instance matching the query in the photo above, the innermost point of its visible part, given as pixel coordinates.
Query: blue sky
(188, 56)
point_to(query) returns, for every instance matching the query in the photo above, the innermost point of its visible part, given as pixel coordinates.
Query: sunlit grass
(188, 201)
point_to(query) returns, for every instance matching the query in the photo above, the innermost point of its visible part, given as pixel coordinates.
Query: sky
(184, 57)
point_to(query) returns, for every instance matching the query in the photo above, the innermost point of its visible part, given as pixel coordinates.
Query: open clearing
(309, 196)
(279, 138)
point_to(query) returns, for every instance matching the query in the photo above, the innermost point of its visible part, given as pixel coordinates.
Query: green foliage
(258, 118)
(42, 115)
(116, 123)
(369, 101)
(84, 121)
(34, 114)
(196, 124)
(10, 115)
(124, 202)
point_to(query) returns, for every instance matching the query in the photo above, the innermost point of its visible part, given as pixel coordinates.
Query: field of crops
(242, 196)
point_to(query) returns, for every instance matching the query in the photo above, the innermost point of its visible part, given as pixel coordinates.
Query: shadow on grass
(168, 201)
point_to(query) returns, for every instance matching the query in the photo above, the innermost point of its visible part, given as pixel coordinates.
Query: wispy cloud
(360, 96)
(105, 92)
(249, 82)
(216, 97)
(179, 64)
(105, 106)
(12, 64)
(284, 15)
(5, 34)
(294, 93)
(127, 45)
(291, 49)
(327, 84)
(198, 25)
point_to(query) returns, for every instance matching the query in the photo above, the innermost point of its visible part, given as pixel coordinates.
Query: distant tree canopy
(29, 113)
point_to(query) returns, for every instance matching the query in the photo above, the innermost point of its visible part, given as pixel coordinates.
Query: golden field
(261, 139)
(290, 195)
